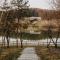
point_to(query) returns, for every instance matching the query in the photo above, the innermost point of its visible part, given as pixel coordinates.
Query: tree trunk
(3, 41)
(17, 42)
(21, 39)
(57, 39)
(48, 43)
(7, 42)
(17, 37)
(56, 45)
(17, 33)
(7, 38)
(3, 38)
(21, 43)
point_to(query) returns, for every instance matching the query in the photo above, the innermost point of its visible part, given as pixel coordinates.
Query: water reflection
(30, 42)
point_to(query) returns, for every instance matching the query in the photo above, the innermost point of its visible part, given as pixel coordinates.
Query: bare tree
(55, 4)
(6, 9)
(19, 5)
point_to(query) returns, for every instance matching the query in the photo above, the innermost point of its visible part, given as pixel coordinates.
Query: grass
(43, 52)
(10, 53)
(48, 53)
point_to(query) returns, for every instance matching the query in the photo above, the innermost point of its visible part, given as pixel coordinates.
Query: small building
(33, 18)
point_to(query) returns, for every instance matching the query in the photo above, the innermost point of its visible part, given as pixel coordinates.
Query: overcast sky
(36, 3)
(39, 4)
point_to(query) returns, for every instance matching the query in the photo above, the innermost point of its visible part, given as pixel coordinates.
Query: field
(43, 52)
(10, 53)
(48, 53)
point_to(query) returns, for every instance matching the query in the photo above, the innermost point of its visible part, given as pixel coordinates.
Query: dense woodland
(46, 14)
(36, 12)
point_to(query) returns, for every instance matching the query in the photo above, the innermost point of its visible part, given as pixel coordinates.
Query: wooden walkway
(29, 54)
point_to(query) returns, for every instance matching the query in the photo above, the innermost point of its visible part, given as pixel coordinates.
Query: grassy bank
(48, 53)
(10, 53)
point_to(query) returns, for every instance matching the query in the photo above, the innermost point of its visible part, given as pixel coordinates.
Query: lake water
(30, 42)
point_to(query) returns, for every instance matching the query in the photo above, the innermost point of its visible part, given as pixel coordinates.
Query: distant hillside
(46, 14)
(36, 12)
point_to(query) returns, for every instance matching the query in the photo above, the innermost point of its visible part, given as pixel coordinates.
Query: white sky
(36, 3)
(39, 4)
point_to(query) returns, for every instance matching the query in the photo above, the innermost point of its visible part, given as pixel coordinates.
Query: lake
(30, 42)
